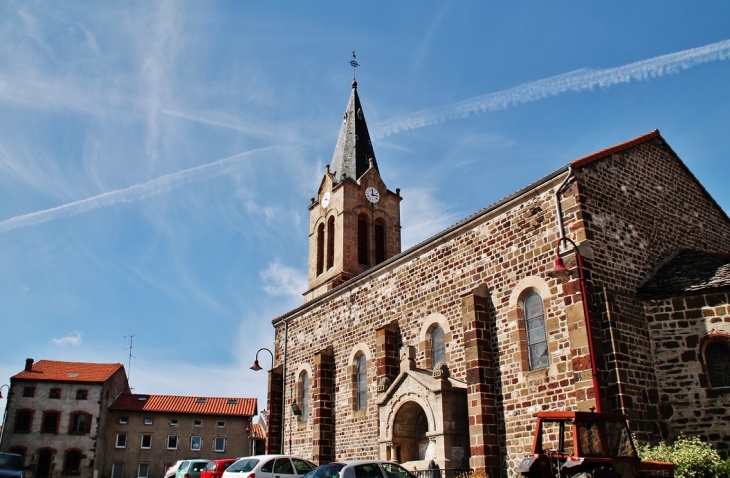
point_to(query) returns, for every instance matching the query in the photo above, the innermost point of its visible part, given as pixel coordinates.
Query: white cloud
(74, 339)
(283, 280)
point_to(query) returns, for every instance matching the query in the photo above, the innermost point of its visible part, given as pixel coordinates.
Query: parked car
(215, 468)
(191, 468)
(266, 466)
(11, 465)
(170, 472)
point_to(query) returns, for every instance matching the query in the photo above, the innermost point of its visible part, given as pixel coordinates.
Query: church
(603, 286)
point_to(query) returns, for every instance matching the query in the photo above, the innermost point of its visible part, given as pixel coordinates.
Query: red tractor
(586, 445)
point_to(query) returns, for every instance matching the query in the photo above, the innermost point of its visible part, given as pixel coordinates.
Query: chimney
(29, 365)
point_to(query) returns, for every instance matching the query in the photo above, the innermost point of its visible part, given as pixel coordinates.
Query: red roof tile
(614, 149)
(70, 371)
(178, 404)
(257, 432)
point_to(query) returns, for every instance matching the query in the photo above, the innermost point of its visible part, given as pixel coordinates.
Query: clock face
(372, 195)
(326, 199)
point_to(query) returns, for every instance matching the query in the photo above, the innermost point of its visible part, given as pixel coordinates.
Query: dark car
(215, 468)
(11, 465)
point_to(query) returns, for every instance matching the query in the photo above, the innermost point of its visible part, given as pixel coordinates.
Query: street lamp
(562, 272)
(256, 367)
(5, 413)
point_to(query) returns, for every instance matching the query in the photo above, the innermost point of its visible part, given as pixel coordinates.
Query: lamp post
(256, 367)
(5, 413)
(562, 272)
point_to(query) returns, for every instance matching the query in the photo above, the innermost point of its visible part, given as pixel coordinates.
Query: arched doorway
(410, 429)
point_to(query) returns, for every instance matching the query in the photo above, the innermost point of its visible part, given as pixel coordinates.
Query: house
(148, 433)
(57, 413)
(447, 350)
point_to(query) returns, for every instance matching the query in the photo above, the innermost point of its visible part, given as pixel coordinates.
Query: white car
(269, 466)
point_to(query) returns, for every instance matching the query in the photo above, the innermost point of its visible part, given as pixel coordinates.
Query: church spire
(354, 150)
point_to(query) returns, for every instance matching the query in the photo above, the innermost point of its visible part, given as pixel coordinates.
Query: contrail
(151, 188)
(579, 80)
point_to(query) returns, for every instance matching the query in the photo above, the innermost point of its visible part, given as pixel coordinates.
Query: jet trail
(579, 80)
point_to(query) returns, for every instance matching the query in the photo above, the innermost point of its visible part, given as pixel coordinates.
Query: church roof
(353, 150)
(686, 272)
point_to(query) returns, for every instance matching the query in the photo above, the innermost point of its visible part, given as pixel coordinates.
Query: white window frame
(141, 442)
(140, 467)
(200, 442)
(117, 442)
(215, 444)
(177, 442)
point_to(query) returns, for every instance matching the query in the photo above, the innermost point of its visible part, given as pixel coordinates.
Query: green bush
(692, 457)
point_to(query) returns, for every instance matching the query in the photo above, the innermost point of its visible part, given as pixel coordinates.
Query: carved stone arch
(424, 339)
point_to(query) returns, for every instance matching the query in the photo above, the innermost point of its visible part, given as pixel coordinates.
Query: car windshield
(328, 471)
(243, 466)
(11, 462)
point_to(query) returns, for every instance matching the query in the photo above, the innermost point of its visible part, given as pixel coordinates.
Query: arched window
(717, 358)
(379, 240)
(362, 386)
(305, 395)
(320, 249)
(536, 333)
(330, 243)
(362, 240)
(438, 351)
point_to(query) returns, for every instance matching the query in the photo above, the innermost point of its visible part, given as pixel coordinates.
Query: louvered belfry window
(379, 241)
(320, 249)
(330, 243)
(362, 239)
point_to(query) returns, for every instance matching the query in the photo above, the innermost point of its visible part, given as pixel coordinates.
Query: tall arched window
(362, 386)
(330, 243)
(320, 249)
(717, 358)
(305, 395)
(536, 333)
(379, 240)
(438, 351)
(362, 240)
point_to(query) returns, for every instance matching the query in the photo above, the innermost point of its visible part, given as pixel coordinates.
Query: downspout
(615, 353)
(558, 209)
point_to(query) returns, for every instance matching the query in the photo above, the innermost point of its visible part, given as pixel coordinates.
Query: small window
(362, 387)
(23, 421)
(146, 442)
(717, 358)
(220, 424)
(143, 470)
(196, 443)
(29, 391)
(219, 444)
(50, 422)
(71, 462)
(174, 422)
(149, 421)
(172, 442)
(536, 333)
(121, 440)
(123, 420)
(82, 394)
(80, 423)
(117, 470)
(197, 423)
(55, 393)
(438, 351)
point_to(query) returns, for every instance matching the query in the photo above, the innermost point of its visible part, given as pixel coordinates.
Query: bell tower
(354, 222)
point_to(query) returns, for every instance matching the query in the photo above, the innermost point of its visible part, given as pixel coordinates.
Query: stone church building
(447, 350)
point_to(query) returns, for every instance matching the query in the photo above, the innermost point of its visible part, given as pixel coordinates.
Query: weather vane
(354, 64)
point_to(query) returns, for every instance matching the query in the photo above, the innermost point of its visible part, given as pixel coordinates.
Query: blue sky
(157, 158)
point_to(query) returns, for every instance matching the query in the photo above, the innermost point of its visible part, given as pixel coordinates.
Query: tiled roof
(615, 149)
(178, 404)
(70, 371)
(257, 432)
(688, 271)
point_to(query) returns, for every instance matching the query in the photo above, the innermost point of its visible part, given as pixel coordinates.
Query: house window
(71, 462)
(219, 444)
(362, 240)
(82, 394)
(717, 358)
(143, 470)
(196, 443)
(438, 351)
(50, 422)
(55, 393)
(121, 440)
(320, 249)
(146, 442)
(197, 423)
(304, 399)
(379, 241)
(149, 421)
(220, 424)
(536, 334)
(80, 423)
(362, 389)
(29, 391)
(117, 470)
(123, 420)
(172, 442)
(330, 242)
(174, 422)
(23, 421)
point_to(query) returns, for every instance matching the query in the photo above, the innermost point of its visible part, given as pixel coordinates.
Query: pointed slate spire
(354, 150)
